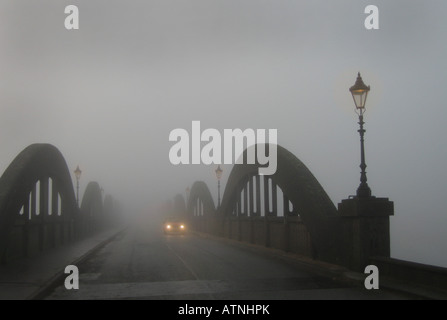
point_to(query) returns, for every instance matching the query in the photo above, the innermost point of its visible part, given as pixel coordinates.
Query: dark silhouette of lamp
(77, 173)
(218, 176)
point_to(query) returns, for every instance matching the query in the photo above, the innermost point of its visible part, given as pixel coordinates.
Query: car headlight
(168, 226)
(182, 226)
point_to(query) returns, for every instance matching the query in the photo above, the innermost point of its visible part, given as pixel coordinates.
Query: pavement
(29, 278)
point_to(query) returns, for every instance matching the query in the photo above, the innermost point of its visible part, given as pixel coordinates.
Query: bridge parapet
(411, 276)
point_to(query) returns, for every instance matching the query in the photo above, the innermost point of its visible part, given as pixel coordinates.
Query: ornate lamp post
(365, 218)
(359, 93)
(218, 176)
(77, 173)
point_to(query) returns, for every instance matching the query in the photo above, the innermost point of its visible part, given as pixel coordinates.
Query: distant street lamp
(187, 190)
(218, 176)
(359, 93)
(77, 173)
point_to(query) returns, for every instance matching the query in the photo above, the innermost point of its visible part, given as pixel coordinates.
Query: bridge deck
(145, 264)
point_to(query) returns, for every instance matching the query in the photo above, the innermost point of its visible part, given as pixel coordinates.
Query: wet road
(143, 263)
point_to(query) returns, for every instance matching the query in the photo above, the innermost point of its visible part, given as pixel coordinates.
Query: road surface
(143, 263)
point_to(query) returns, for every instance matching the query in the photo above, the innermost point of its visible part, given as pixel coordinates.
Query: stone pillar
(365, 230)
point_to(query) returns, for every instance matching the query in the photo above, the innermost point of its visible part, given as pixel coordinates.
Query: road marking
(183, 261)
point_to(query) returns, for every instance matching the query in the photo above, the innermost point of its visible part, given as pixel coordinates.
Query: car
(174, 227)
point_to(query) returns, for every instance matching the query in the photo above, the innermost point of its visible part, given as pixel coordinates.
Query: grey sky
(108, 95)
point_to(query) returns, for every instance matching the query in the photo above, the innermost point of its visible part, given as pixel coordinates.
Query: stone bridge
(42, 230)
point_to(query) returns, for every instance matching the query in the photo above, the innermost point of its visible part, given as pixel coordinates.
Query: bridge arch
(180, 205)
(108, 204)
(201, 211)
(299, 186)
(92, 207)
(37, 174)
(200, 201)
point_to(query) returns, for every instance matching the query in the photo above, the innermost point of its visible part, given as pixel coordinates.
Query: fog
(108, 95)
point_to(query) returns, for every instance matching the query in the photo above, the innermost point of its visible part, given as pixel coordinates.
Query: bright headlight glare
(182, 226)
(168, 226)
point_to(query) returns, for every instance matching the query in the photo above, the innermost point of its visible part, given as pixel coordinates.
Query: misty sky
(109, 94)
